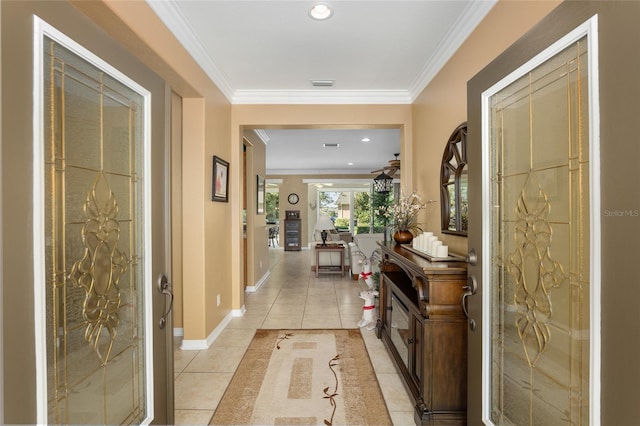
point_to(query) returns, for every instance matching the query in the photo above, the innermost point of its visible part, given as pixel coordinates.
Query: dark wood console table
(330, 269)
(424, 327)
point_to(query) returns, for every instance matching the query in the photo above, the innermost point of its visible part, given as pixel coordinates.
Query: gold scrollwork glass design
(539, 273)
(534, 272)
(94, 254)
(100, 269)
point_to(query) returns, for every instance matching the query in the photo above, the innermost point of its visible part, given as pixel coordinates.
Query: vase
(403, 237)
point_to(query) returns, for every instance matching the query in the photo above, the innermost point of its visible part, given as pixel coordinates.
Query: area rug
(304, 377)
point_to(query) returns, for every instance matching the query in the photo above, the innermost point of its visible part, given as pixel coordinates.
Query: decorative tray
(451, 258)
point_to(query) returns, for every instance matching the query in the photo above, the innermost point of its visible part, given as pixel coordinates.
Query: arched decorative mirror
(454, 206)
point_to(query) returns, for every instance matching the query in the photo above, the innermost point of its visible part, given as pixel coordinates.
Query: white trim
(149, 281)
(1, 257)
(40, 29)
(325, 181)
(466, 23)
(349, 171)
(321, 97)
(171, 15)
(263, 135)
(39, 292)
(486, 249)
(595, 229)
(202, 344)
(236, 313)
(173, 18)
(262, 280)
(590, 29)
(194, 344)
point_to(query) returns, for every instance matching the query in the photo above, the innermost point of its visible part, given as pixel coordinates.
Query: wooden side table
(330, 269)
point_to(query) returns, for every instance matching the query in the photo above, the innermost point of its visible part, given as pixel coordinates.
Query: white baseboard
(239, 312)
(254, 288)
(202, 344)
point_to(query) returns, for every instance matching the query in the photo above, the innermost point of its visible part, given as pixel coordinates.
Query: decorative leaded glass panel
(93, 171)
(540, 245)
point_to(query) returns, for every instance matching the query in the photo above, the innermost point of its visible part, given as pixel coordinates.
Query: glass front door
(96, 254)
(537, 287)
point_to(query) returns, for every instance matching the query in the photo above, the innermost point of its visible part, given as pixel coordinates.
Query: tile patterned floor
(292, 298)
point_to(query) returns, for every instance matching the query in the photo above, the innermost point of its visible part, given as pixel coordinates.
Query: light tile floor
(291, 298)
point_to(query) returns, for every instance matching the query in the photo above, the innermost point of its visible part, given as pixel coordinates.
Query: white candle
(443, 251)
(423, 242)
(430, 241)
(434, 247)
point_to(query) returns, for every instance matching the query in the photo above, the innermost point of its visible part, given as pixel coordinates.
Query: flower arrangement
(404, 213)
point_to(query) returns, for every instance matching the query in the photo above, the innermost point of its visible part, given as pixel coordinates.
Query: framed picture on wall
(220, 180)
(261, 194)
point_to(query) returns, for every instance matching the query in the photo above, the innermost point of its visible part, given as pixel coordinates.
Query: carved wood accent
(431, 354)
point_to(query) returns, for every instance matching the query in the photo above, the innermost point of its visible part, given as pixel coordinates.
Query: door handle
(164, 287)
(472, 257)
(469, 290)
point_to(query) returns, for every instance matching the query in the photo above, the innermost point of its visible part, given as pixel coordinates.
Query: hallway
(292, 298)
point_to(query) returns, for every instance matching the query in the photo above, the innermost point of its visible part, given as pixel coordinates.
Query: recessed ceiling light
(365, 140)
(349, 164)
(320, 12)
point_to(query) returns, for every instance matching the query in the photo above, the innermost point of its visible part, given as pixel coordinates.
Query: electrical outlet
(218, 300)
(261, 264)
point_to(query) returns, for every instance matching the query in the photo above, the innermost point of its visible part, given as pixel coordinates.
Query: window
(272, 205)
(353, 210)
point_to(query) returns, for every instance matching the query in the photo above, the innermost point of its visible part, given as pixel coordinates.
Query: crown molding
(466, 23)
(263, 135)
(175, 21)
(173, 18)
(337, 180)
(288, 172)
(299, 97)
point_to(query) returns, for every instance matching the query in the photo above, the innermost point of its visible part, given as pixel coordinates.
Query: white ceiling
(301, 151)
(267, 52)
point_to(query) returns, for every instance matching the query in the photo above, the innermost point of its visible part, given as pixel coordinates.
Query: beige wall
(218, 220)
(279, 116)
(425, 126)
(257, 231)
(204, 253)
(213, 231)
(206, 224)
(442, 105)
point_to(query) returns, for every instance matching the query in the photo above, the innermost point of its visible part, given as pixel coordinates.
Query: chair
(274, 232)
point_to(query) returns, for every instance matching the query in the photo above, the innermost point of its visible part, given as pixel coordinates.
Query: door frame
(589, 29)
(41, 29)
